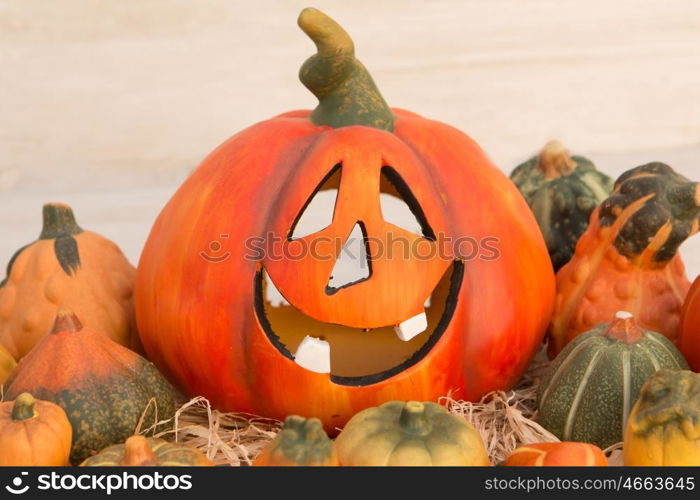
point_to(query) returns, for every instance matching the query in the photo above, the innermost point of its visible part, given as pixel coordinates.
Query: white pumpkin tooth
(314, 355)
(623, 315)
(412, 327)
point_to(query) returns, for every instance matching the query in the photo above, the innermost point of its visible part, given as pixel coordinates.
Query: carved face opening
(381, 301)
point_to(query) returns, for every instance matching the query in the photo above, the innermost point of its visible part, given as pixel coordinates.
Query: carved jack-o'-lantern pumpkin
(337, 346)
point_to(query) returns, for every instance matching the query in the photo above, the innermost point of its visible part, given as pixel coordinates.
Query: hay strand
(225, 438)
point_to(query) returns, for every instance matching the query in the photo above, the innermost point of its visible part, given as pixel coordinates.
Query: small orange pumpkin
(33, 433)
(71, 268)
(627, 259)
(301, 442)
(566, 453)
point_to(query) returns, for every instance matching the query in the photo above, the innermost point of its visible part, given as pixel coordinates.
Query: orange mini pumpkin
(33, 433)
(566, 453)
(66, 267)
(201, 302)
(627, 259)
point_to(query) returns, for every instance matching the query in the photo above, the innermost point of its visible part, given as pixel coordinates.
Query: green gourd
(400, 433)
(300, 442)
(664, 426)
(562, 191)
(105, 389)
(591, 386)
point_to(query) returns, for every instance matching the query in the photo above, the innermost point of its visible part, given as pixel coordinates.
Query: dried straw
(225, 438)
(503, 418)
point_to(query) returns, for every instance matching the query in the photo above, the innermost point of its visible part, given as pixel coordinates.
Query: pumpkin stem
(304, 440)
(66, 321)
(624, 328)
(345, 90)
(138, 453)
(412, 418)
(314, 432)
(554, 160)
(23, 408)
(58, 221)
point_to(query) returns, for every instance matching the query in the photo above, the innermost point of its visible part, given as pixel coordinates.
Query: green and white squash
(410, 433)
(591, 386)
(562, 191)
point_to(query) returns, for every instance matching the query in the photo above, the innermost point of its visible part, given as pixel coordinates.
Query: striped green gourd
(561, 191)
(591, 386)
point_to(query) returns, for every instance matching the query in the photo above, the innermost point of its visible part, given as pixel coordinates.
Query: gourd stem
(58, 221)
(668, 398)
(66, 321)
(554, 160)
(23, 408)
(137, 452)
(412, 418)
(314, 432)
(624, 329)
(346, 93)
(304, 440)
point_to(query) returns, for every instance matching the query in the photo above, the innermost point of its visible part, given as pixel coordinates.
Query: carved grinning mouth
(358, 357)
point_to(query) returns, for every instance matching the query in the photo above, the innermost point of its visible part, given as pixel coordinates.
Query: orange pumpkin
(33, 433)
(627, 259)
(689, 328)
(202, 308)
(66, 267)
(557, 454)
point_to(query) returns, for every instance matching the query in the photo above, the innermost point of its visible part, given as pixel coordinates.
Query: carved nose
(353, 264)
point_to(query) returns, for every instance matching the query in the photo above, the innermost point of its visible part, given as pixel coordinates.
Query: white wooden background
(107, 104)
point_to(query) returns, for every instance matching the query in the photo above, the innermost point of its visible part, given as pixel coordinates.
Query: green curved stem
(345, 90)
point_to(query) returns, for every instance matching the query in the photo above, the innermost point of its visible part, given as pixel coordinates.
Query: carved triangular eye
(353, 264)
(399, 205)
(318, 210)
